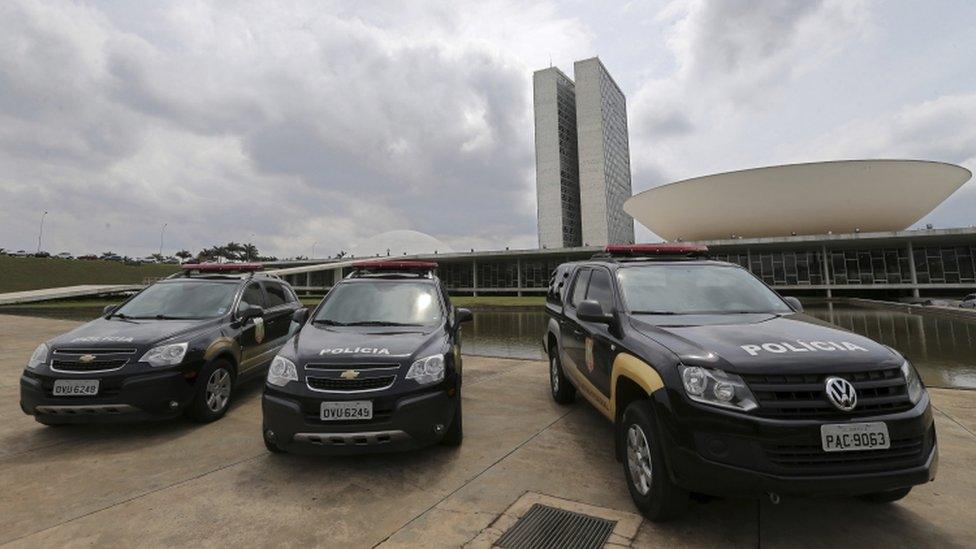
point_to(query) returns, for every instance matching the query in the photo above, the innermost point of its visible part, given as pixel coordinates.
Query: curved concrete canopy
(398, 243)
(814, 198)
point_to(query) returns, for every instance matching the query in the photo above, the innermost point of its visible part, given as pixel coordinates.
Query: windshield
(695, 289)
(381, 304)
(179, 300)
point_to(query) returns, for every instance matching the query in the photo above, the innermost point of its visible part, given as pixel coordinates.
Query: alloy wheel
(218, 390)
(554, 375)
(639, 459)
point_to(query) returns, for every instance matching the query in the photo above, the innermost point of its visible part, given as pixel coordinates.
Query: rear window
(276, 294)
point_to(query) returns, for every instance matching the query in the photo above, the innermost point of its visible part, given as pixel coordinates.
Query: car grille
(802, 396)
(812, 459)
(350, 385)
(69, 360)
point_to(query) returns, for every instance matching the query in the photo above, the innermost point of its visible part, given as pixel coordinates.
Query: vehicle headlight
(165, 355)
(912, 382)
(282, 371)
(39, 356)
(716, 387)
(427, 370)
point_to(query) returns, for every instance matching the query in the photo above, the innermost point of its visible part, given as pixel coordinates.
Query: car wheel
(888, 496)
(561, 389)
(215, 387)
(455, 433)
(648, 481)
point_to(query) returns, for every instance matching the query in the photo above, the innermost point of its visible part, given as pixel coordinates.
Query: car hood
(113, 332)
(356, 345)
(765, 343)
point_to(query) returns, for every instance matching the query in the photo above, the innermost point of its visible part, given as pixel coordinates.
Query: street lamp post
(40, 232)
(316, 243)
(161, 239)
(247, 247)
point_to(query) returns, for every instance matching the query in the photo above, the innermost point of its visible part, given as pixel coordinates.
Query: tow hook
(774, 498)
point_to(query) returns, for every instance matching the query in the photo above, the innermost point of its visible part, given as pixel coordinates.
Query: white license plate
(848, 437)
(347, 411)
(75, 387)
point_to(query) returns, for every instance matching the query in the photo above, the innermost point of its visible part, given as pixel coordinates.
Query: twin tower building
(582, 157)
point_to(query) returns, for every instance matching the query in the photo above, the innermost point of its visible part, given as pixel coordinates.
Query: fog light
(439, 428)
(270, 435)
(173, 405)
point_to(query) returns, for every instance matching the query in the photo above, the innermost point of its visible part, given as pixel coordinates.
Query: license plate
(75, 387)
(849, 437)
(350, 410)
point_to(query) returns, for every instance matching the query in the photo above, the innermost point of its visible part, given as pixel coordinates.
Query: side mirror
(300, 316)
(109, 309)
(591, 311)
(463, 315)
(794, 303)
(247, 312)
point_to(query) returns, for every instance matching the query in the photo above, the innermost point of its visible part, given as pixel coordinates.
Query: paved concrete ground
(176, 483)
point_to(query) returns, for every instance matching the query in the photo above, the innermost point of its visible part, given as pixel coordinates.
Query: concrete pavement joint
(139, 496)
(952, 419)
(476, 477)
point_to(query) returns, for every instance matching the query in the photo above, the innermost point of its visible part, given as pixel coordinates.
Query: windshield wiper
(328, 322)
(379, 323)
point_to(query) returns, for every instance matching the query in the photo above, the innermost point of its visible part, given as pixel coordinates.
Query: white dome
(841, 196)
(399, 243)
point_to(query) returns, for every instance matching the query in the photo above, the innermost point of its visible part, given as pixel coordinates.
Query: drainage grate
(545, 527)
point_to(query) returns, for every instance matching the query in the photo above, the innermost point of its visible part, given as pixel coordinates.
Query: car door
(277, 313)
(570, 330)
(599, 345)
(253, 336)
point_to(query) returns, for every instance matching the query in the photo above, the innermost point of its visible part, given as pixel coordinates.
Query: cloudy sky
(328, 122)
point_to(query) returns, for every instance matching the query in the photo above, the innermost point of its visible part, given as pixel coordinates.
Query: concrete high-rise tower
(604, 156)
(582, 158)
(556, 162)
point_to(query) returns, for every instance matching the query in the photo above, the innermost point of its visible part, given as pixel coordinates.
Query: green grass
(19, 274)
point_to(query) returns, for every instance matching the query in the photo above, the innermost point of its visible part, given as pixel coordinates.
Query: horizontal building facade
(936, 262)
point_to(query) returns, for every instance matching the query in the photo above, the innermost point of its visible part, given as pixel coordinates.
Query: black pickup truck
(719, 386)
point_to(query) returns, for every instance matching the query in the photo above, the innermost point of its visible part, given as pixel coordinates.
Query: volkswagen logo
(841, 393)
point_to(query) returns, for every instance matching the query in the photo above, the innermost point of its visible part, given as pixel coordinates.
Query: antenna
(550, 60)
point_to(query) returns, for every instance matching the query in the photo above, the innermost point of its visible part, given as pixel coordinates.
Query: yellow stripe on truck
(636, 370)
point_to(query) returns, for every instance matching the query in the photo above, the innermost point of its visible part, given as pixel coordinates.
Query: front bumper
(121, 398)
(399, 423)
(732, 454)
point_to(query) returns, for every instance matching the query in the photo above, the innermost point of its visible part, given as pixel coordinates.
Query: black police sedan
(719, 386)
(376, 367)
(182, 344)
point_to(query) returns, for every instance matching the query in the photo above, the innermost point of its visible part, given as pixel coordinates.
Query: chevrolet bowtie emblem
(86, 358)
(349, 374)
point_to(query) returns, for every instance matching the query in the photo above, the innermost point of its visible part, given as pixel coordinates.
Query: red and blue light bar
(656, 249)
(222, 267)
(395, 265)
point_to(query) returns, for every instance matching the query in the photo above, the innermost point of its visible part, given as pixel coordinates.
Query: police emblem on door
(258, 330)
(589, 355)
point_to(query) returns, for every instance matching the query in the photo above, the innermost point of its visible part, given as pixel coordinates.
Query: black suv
(375, 367)
(181, 344)
(717, 385)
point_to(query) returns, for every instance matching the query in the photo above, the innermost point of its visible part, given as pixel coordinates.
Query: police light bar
(396, 265)
(656, 249)
(222, 267)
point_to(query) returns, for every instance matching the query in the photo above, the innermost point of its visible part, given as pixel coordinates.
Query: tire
(648, 480)
(48, 423)
(888, 496)
(560, 388)
(215, 388)
(455, 433)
